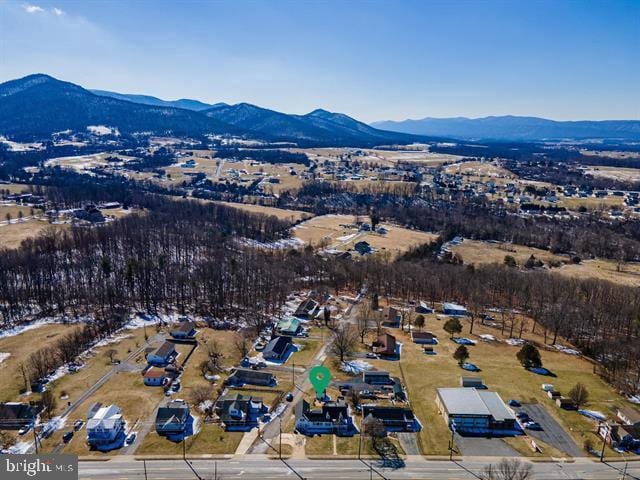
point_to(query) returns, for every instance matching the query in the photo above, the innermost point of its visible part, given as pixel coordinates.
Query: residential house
(184, 331)
(245, 376)
(629, 416)
(566, 403)
(386, 345)
(392, 317)
(14, 415)
(240, 412)
(363, 248)
(454, 310)
(394, 419)
(277, 348)
(105, 426)
(163, 355)
(620, 436)
(376, 377)
(331, 418)
(307, 309)
(423, 308)
(155, 377)
(173, 418)
(472, 382)
(423, 338)
(289, 326)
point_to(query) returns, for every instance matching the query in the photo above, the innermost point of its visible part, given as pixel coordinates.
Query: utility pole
(144, 463)
(451, 444)
(35, 438)
(604, 443)
(293, 373)
(280, 428)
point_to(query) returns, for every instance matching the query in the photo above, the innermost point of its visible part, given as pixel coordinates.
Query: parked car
(372, 355)
(289, 397)
(514, 403)
(66, 438)
(367, 394)
(532, 426)
(24, 429)
(77, 425)
(130, 438)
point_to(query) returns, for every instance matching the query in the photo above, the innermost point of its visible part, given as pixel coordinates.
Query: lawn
(211, 439)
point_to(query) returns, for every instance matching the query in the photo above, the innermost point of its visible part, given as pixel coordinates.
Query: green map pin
(319, 376)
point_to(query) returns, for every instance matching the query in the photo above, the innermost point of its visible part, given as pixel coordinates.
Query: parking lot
(552, 432)
(483, 447)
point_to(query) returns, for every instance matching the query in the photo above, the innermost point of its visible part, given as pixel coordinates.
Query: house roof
(386, 344)
(631, 414)
(388, 413)
(105, 418)
(289, 324)
(184, 327)
(421, 335)
(469, 401)
(176, 411)
(252, 376)
(453, 306)
(239, 402)
(375, 373)
(329, 412)
(154, 373)
(16, 411)
(306, 307)
(277, 345)
(165, 350)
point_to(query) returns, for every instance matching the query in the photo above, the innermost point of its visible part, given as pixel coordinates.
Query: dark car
(66, 438)
(289, 397)
(514, 403)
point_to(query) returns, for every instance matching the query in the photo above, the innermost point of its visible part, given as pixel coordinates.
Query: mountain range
(36, 106)
(516, 128)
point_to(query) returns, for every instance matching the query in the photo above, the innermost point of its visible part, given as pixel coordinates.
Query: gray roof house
(172, 419)
(245, 376)
(331, 418)
(240, 412)
(277, 348)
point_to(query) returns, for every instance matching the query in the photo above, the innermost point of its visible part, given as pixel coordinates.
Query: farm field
(480, 170)
(616, 173)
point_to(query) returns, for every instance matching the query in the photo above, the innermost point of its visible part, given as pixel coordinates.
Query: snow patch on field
(103, 130)
(283, 244)
(4, 356)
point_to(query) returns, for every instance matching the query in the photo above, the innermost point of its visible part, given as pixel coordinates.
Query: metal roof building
(474, 411)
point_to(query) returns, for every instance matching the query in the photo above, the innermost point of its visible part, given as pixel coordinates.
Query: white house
(104, 425)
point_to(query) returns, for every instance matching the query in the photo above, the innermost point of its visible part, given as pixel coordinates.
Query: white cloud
(33, 9)
(58, 11)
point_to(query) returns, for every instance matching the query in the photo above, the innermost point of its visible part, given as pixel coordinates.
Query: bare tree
(49, 404)
(579, 394)
(111, 354)
(200, 394)
(242, 343)
(345, 341)
(362, 320)
(215, 354)
(25, 376)
(507, 469)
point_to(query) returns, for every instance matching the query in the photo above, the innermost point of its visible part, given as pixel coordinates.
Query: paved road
(409, 442)
(261, 468)
(552, 432)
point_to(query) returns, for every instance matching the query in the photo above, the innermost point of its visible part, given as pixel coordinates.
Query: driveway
(409, 442)
(552, 432)
(483, 447)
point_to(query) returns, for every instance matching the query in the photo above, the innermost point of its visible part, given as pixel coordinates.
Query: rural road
(258, 467)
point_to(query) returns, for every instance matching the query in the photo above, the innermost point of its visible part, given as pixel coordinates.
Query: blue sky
(371, 59)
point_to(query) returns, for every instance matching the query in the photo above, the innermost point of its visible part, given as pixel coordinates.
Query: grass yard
(127, 391)
(11, 236)
(210, 439)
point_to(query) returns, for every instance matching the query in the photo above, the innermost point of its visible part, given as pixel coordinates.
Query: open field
(615, 173)
(87, 162)
(16, 346)
(12, 235)
(481, 253)
(281, 213)
(332, 231)
(15, 187)
(482, 170)
(591, 203)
